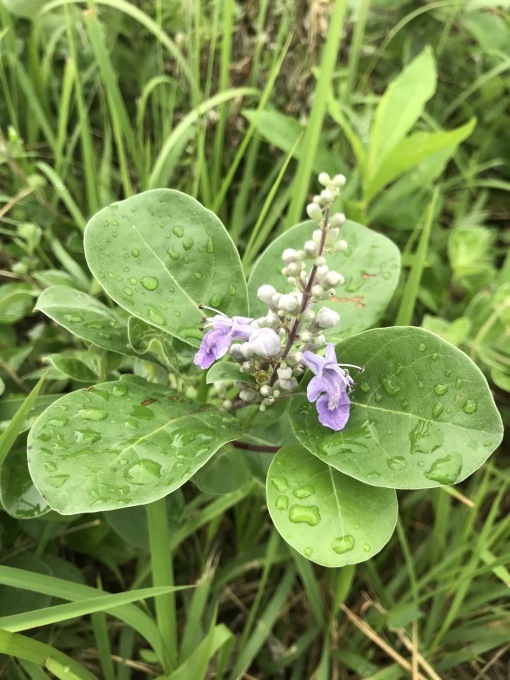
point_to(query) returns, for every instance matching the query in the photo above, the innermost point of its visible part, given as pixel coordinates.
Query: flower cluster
(275, 349)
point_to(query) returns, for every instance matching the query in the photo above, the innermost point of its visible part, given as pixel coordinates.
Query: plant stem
(163, 575)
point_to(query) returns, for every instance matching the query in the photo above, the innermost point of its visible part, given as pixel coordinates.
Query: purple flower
(330, 387)
(216, 342)
(264, 342)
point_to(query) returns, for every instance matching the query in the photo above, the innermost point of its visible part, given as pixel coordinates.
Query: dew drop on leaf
(128, 291)
(366, 547)
(364, 387)
(378, 397)
(92, 413)
(187, 243)
(215, 300)
(209, 248)
(445, 470)
(308, 551)
(440, 390)
(86, 436)
(279, 483)
(135, 252)
(74, 317)
(178, 231)
(57, 481)
(173, 254)
(149, 282)
(397, 463)
(421, 346)
(307, 514)
(198, 276)
(282, 503)
(144, 471)
(177, 313)
(437, 410)
(154, 315)
(120, 390)
(303, 492)
(458, 384)
(343, 544)
(470, 406)
(58, 422)
(435, 356)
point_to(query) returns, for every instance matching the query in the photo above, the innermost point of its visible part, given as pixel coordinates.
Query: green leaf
(16, 301)
(121, 444)
(84, 316)
(226, 370)
(20, 498)
(329, 518)
(72, 365)
(371, 268)
(412, 151)
(422, 413)
(400, 107)
(159, 255)
(227, 471)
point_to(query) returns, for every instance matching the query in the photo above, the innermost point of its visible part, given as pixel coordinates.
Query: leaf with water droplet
(192, 254)
(386, 439)
(95, 322)
(371, 268)
(170, 440)
(337, 515)
(20, 498)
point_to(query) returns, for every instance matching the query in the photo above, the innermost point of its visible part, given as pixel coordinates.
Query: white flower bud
(284, 373)
(318, 292)
(327, 318)
(311, 248)
(236, 352)
(338, 181)
(290, 255)
(289, 384)
(319, 340)
(327, 196)
(298, 370)
(322, 271)
(262, 407)
(276, 393)
(317, 235)
(336, 220)
(308, 315)
(333, 279)
(269, 401)
(293, 269)
(263, 342)
(331, 236)
(247, 394)
(324, 179)
(319, 261)
(246, 367)
(305, 336)
(314, 212)
(275, 299)
(265, 390)
(265, 293)
(227, 404)
(340, 246)
(289, 303)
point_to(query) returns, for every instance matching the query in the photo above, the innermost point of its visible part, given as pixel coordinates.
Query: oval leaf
(159, 255)
(121, 444)
(328, 517)
(20, 498)
(422, 413)
(84, 316)
(371, 268)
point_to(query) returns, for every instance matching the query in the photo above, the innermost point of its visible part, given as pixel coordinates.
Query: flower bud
(322, 271)
(269, 401)
(265, 293)
(263, 342)
(338, 181)
(336, 220)
(288, 384)
(246, 367)
(236, 352)
(308, 315)
(305, 336)
(319, 261)
(265, 390)
(340, 246)
(319, 340)
(290, 255)
(331, 236)
(276, 393)
(247, 394)
(327, 196)
(284, 373)
(324, 179)
(333, 279)
(314, 212)
(293, 358)
(311, 248)
(289, 303)
(318, 292)
(227, 404)
(293, 269)
(326, 318)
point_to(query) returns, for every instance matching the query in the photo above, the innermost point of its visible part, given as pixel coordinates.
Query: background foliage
(239, 104)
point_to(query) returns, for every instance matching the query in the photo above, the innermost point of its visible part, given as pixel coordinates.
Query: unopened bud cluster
(272, 346)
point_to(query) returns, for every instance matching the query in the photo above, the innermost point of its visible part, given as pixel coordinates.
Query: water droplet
(366, 547)
(343, 544)
(470, 406)
(198, 276)
(156, 316)
(425, 438)
(144, 471)
(135, 252)
(57, 481)
(120, 390)
(209, 247)
(177, 313)
(421, 346)
(304, 492)
(389, 386)
(373, 475)
(447, 373)
(282, 503)
(187, 243)
(178, 231)
(215, 300)
(128, 291)
(307, 514)
(435, 356)
(172, 254)
(386, 276)
(279, 483)
(149, 282)
(397, 463)
(308, 551)
(232, 289)
(92, 413)
(74, 317)
(106, 223)
(58, 422)
(458, 384)
(437, 410)
(421, 385)
(378, 397)
(440, 390)
(364, 387)
(87, 437)
(445, 470)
